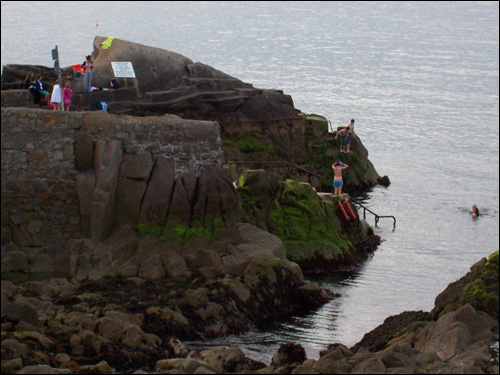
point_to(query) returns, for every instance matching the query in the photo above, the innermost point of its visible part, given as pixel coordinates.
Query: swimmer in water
(475, 211)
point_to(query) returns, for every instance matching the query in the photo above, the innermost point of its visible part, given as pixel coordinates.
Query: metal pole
(55, 57)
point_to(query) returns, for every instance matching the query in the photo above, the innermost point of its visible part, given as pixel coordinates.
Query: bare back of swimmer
(338, 167)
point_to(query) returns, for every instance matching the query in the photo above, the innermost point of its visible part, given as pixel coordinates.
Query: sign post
(55, 57)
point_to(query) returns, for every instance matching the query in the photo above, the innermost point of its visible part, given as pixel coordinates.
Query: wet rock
(384, 181)
(370, 366)
(452, 333)
(188, 365)
(8, 290)
(289, 353)
(393, 359)
(17, 311)
(82, 321)
(152, 267)
(176, 348)
(12, 366)
(62, 359)
(100, 368)
(226, 359)
(381, 335)
(258, 243)
(336, 352)
(59, 287)
(43, 369)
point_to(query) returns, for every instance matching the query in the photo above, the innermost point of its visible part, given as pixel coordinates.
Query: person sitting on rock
(39, 87)
(28, 81)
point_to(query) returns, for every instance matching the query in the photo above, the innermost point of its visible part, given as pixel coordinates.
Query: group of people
(57, 97)
(344, 136)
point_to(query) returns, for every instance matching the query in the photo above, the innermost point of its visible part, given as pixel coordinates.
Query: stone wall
(68, 175)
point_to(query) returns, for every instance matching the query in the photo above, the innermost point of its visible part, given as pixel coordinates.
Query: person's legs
(348, 142)
(46, 97)
(87, 82)
(337, 185)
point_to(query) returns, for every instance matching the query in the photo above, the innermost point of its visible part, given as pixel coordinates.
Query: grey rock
(17, 312)
(43, 369)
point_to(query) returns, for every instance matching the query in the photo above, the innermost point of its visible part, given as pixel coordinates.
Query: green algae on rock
(308, 226)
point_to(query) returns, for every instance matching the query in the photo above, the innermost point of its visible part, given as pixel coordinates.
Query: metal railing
(377, 217)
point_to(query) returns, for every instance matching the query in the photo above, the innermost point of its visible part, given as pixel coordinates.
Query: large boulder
(155, 69)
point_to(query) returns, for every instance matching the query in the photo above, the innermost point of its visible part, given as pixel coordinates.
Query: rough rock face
(255, 124)
(313, 230)
(156, 69)
(126, 325)
(455, 338)
(171, 83)
(90, 172)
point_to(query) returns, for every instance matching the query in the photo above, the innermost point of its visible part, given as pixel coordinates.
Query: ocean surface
(421, 80)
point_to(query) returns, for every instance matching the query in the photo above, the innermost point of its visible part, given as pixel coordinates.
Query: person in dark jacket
(28, 81)
(39, 87)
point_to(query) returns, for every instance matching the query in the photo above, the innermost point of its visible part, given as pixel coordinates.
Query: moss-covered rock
(318, 151)
(479, 288)
(323, 150)
(308, 226)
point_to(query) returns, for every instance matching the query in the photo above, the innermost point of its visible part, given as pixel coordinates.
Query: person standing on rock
(350, 135)
(56, 97)
(87, 74)
(338, 167)
(67, 92)
(341, 136)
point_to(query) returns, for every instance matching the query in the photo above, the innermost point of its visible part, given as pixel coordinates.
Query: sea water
(419, 78)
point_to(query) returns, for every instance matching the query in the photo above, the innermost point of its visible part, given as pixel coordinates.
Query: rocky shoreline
(158, 236)
(137, 326)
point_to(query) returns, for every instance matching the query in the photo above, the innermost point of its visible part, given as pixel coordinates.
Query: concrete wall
(68, 175)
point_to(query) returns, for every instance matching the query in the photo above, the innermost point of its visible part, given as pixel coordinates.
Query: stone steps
(219, 84)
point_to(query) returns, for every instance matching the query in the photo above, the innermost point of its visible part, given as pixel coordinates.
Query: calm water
(421, 80)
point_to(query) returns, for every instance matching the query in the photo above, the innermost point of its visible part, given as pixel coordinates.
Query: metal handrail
(377, 217)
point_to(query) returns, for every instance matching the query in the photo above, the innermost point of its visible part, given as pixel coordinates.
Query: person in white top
(56, 98)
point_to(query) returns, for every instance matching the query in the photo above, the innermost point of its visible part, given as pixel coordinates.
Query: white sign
(123, 69)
